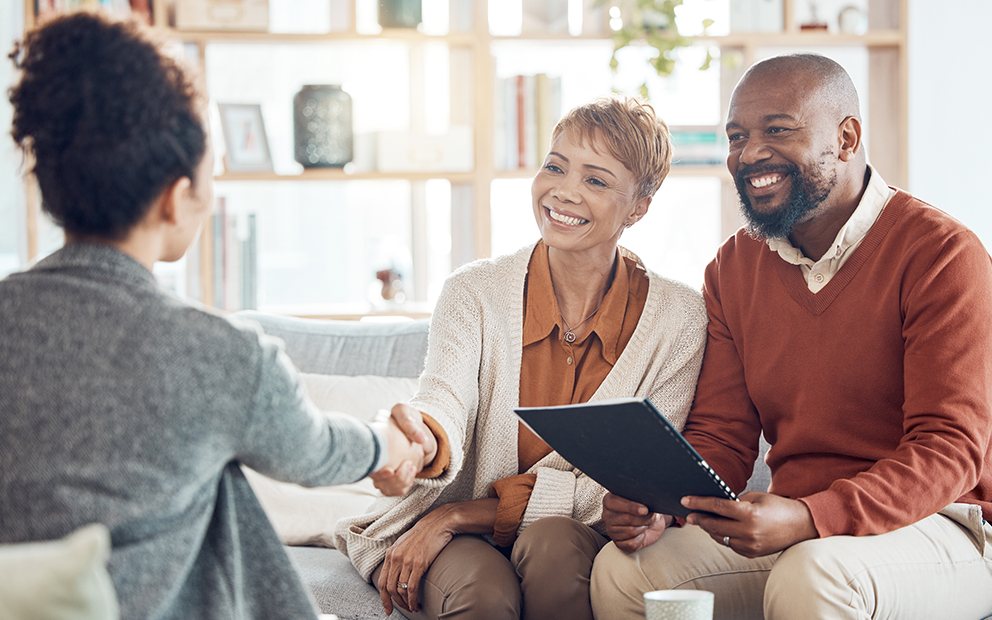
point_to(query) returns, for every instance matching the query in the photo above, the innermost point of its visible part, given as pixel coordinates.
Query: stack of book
(526, 111)
(697, 146)
(227, 256)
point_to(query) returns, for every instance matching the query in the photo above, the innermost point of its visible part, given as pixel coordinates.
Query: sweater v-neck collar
(817, 303)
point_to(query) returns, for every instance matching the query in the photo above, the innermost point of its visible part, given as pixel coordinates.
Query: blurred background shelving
(321, 239)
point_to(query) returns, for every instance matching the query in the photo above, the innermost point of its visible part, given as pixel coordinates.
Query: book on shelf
(233, 258)
(628, 447)
(756, 16)
(526, 111)
(697, 145)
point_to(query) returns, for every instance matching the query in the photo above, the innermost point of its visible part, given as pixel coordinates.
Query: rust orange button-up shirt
(554, 372)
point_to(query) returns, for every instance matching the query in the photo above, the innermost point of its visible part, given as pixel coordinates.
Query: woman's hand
(411, 447)
(411, 422)
(413, 553)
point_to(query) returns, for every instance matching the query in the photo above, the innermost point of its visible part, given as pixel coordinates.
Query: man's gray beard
(806, 195)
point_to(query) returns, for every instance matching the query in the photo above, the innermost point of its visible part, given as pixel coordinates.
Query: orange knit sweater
(875, 393)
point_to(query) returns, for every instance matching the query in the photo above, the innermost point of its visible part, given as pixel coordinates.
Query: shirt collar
(541, 307)
(542, 314)
(609, 319)
(874, 199)
(105, 258)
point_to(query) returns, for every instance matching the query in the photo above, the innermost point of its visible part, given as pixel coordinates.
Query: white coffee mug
(678, 605)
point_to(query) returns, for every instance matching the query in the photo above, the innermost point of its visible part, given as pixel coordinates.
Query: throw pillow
(63, 579)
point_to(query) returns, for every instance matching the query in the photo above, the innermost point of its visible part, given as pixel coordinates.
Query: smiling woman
(569, 319)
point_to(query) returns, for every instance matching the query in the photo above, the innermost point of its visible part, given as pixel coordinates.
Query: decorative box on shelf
(242, 15)
(399, 151)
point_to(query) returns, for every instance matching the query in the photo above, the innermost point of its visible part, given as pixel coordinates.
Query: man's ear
(172, 199)
(850, 138)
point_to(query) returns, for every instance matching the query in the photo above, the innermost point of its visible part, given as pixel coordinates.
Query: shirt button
(569, 360)
(818, 277)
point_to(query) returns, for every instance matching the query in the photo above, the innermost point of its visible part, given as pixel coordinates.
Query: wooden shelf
(678, 170)
(227, 36)
(877, 38)
(473, 103)
(337, 174)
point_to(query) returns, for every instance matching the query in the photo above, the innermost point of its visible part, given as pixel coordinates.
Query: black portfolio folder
(629, 448)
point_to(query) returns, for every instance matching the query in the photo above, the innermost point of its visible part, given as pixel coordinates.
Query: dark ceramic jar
(322, 126)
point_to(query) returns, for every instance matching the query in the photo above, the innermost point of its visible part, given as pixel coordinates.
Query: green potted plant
(651, 22)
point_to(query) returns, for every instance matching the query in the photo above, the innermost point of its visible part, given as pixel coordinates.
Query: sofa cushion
(349, 347)
(337, 586)
(358, 396)
(63, 579)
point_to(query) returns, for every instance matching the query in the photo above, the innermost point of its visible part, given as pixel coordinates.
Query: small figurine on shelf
(852, 20)
(392, 285)
(814, 24)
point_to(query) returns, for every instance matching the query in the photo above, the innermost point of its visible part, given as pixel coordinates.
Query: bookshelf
(473, 55)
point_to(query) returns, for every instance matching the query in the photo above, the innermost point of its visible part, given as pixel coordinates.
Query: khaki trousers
(940, 567)
(546, 576)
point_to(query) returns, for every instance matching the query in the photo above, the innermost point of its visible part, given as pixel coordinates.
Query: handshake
(411, 446)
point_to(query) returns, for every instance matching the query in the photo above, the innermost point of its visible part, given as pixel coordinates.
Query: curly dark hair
(110, 119)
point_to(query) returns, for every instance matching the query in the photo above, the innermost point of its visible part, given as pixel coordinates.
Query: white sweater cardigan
(470, 385)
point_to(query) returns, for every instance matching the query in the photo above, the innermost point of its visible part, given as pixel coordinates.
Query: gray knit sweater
(122, 405)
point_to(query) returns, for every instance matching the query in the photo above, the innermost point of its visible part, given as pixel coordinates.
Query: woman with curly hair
(123, 406)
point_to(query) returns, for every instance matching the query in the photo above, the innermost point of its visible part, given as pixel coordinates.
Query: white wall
(12, 244)
(950, 109)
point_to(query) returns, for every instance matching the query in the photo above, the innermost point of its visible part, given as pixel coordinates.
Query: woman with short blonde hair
(501, 526)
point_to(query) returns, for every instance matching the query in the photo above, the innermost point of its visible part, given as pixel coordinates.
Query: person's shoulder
(667, 294)
(496, 264)
(678, 297)
(222, 337)
(484, 273)
(741, 243)
(924, 217)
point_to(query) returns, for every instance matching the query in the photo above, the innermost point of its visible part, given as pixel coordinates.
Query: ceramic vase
(322, 126)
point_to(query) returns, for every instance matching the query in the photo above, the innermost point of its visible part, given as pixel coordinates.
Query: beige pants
(940, 567)
(546, 576)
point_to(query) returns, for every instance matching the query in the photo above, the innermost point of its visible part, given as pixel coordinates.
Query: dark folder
(629, 448)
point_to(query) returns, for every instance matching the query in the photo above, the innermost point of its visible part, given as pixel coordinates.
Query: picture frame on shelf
(244, 137)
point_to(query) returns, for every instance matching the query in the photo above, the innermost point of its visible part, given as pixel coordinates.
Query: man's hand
(631, 526)
(411, 447)
(758, 525)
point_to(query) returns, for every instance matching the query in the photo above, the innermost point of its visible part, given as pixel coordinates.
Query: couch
(346, 355)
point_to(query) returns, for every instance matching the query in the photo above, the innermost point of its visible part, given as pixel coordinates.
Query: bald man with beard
(851, 324)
